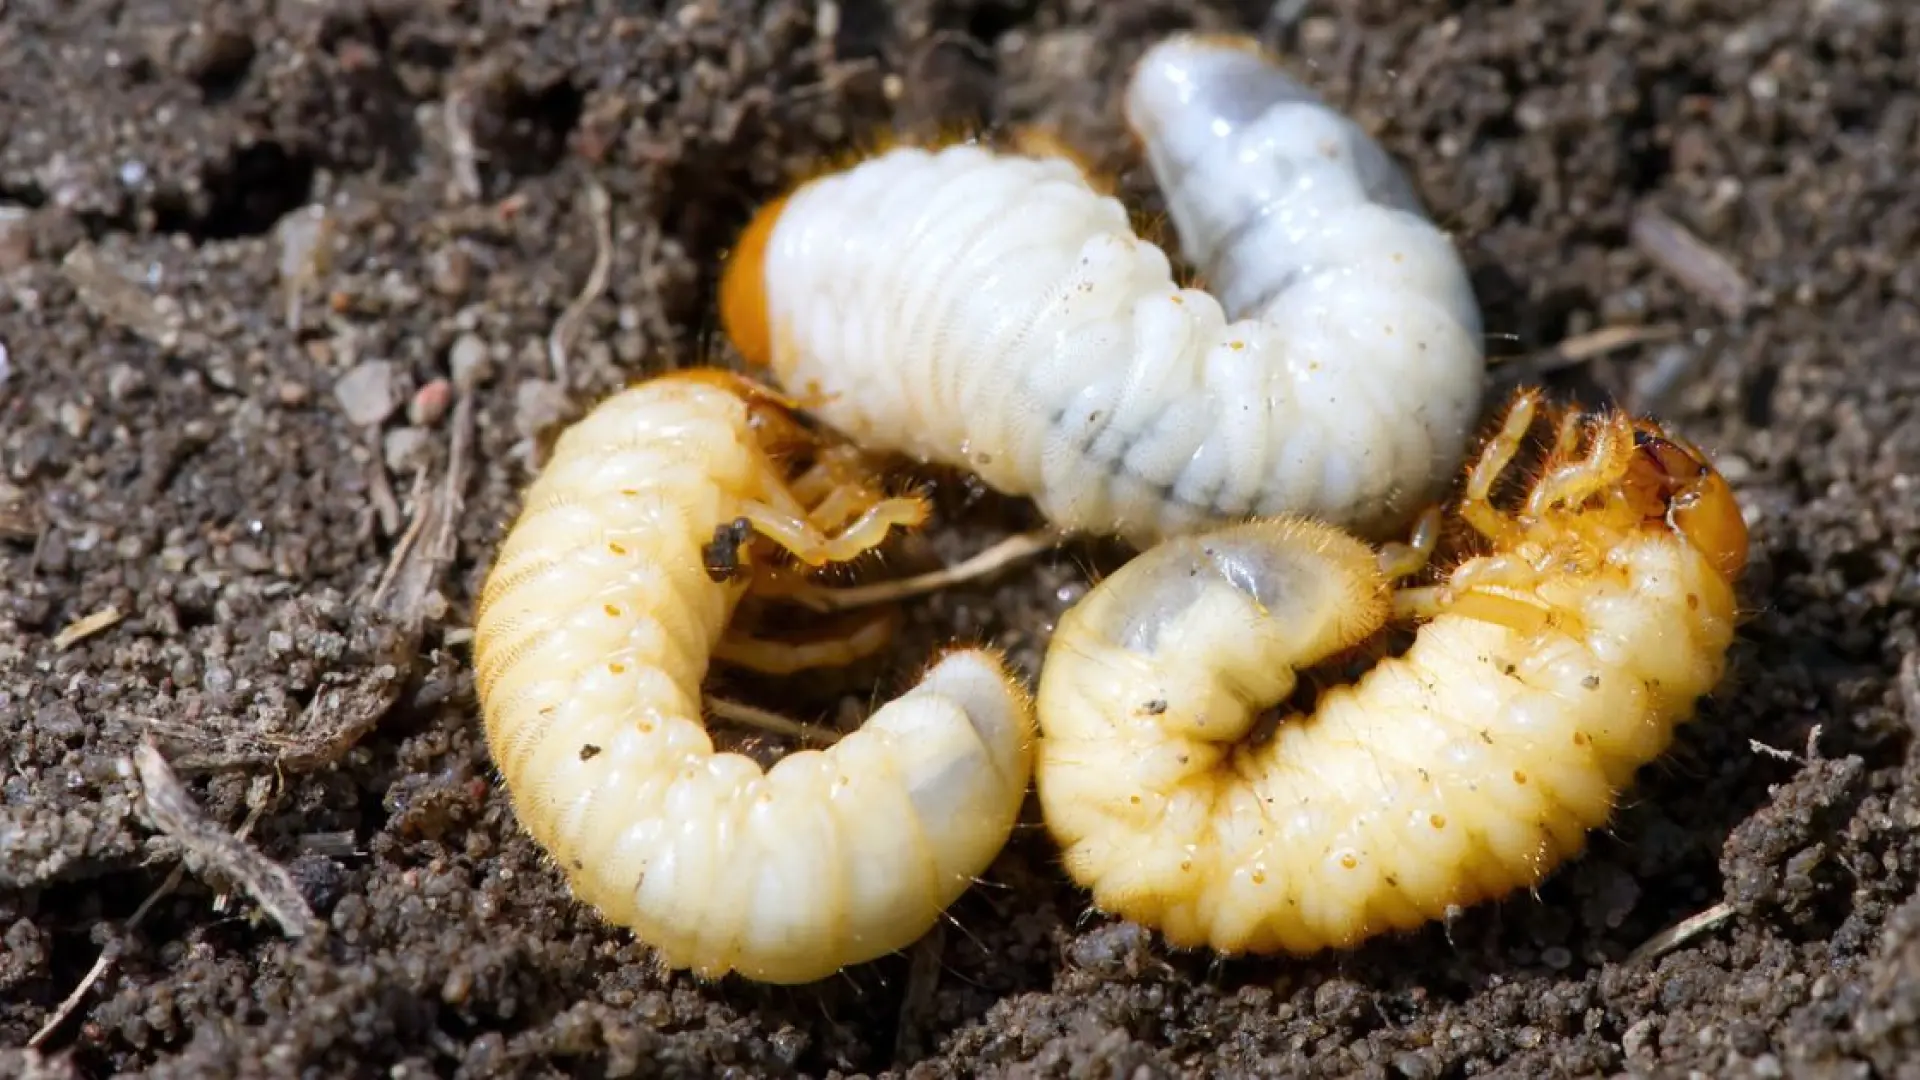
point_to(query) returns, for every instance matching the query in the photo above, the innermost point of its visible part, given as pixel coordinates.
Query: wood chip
(1682, 932)
(1698, 267)
(113, 296)
(457, 114)
(206, 845)
(81, 629)
(1574, 351)
(19, 518)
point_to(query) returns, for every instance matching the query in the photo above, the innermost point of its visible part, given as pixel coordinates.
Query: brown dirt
(211, 489)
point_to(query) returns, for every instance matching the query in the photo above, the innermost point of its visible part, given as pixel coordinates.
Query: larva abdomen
(591, 644)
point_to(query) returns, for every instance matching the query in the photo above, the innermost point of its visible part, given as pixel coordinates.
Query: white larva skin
(997, 313)
(1264, 181)
(591, 643)
(1467, 768)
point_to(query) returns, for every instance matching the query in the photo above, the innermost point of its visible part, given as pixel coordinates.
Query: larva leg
(1476, 507)
(1399, 561)
(803, 541)
(1520, 616)
(773, 656)
(1598, 471)
(1567, 442)
(836, 489)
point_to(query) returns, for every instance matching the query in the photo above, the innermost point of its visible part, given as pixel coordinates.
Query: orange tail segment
(743, 288)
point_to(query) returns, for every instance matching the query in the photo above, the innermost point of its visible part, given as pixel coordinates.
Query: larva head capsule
(743, 288)
(1690, 496)
(1607, 478)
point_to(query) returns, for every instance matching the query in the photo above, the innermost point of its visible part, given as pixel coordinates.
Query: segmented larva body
(593, 636)
(1554, 665)
(998, 313)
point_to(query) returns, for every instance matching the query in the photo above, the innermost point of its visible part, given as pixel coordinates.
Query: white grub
(608, 598)
(997, 312)
(1551, 667)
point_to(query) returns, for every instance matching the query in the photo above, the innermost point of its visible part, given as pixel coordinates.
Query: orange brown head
(1671, 481)
(773, 416)
(743, 288)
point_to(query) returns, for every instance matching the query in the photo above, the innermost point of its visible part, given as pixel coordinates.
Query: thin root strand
(739, 712)
(1014, 549)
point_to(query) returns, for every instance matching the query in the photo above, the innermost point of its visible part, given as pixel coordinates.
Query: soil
(182, 444)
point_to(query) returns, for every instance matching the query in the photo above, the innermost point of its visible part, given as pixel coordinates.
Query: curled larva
(1554, 664)
(655, 517)
(996, 312)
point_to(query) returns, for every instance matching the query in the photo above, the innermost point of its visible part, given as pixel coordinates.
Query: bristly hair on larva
(998, 312)
(656, 516)
(1549, 667)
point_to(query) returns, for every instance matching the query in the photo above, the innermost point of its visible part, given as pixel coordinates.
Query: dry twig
(1014, 549)
(380, 486)
(1909, 683)
(739, 712)
(560, 339)
(432, 539)
(101, 964)
(1577, 350)
(1699, 268)
(109, 954)
(1682, 932)
(85, 627)
(345, 707)
(917, 1012)
(173, 812)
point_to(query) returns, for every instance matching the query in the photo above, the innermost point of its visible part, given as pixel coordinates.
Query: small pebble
(16, 238)
(406, 450)
(471, 361)
(76, 419)
(302, 235)
(250, 557)
(450, 271)
(538, 405)
(124, 381)
(367, 393)
(430, 403)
